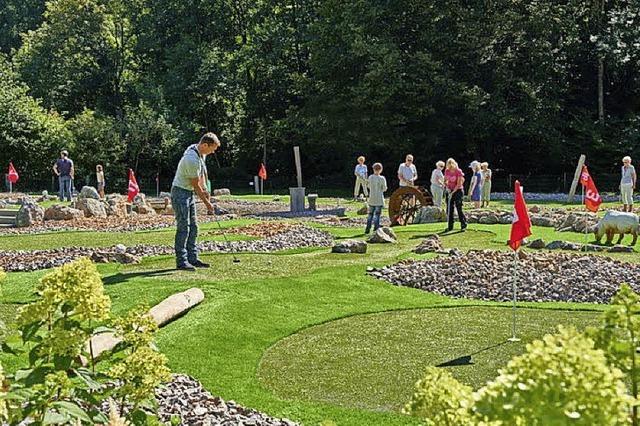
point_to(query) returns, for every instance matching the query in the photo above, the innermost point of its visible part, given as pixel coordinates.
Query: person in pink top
(454, 181)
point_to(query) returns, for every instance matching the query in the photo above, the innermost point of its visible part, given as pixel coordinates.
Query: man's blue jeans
(65, 187)
(184, 209)
(374, 216)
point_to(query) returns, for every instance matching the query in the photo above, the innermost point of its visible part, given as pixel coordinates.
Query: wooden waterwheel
(405, 202)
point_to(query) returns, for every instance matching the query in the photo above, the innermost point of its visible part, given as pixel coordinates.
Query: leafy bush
(56, 386)
(441, 400)
(561, 379)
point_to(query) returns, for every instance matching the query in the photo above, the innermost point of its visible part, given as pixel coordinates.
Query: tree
(66, 61)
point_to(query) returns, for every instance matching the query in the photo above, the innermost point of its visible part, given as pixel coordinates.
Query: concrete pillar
(296, 203)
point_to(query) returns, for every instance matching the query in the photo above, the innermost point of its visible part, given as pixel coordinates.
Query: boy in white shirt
(378, 186)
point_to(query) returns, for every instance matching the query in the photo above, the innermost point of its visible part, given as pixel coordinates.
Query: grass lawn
(270, 328)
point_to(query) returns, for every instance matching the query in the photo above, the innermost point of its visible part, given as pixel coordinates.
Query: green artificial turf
(251, 306)
(373, 361)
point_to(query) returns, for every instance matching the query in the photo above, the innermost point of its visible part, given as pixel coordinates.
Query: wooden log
(169, 309)
(576, 178)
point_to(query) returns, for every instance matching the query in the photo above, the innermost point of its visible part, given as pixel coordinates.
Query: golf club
(235, 259)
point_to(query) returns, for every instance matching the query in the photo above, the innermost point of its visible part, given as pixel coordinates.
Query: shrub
(56, 387)
(561, 379)
(441, 400)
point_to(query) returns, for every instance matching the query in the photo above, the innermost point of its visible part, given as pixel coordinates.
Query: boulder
(29, 214)
(165, 195)
(430, 214)
(91, 207)
(350, 246)
(489, 219)
(217, 210)
(89, 192)
(563, 245)
(432, 243)
(140, 199)
(537, 244)
(3, 204)
(144, 209)
(620, 249)
(539, 220)
(221, 191)
(382, 236)
(116, 205)
(58, 212)
(534, 209)
(363, 210)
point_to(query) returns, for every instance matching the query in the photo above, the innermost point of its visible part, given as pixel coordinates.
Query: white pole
(514, 281)
(10, 187)
(585, 219)
(261, 186)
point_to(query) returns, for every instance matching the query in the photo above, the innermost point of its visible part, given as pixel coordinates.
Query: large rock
(350, 246)
(363, 211)
(116, 205)
(432, 243)
(91, 207)
(221, 191)
(89, 192)
(29, 214)
(489, 219)
(430, 214)
(140, 199)
(383, 235)
(144, 209)
(537, 244)
(539, 220)
(58, 212)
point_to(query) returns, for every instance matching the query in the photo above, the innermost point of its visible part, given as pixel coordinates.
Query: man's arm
(55, 169)
(202, 193)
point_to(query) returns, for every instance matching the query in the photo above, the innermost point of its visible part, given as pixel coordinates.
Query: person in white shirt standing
(100, 180)
(437, 184)
(407, 173)
(362, 174)
(627, 184)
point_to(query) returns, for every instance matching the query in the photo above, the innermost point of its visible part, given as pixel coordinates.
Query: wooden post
(296, 153)
(576, 178)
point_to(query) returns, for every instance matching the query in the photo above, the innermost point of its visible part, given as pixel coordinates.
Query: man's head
(377, 168)
(408, 159)
(361, 160)
(64, 153)
(626, 160)
(208, 144)
(440, 165)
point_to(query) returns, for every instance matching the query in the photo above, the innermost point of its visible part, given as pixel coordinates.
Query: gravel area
(542, 277)
(298, 237)
(185, 397)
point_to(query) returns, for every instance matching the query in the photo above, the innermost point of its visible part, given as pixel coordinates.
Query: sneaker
(200, 264)
(186, 267)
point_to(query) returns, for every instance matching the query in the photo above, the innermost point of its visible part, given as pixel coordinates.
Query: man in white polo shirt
(188, 182)
(407, 173)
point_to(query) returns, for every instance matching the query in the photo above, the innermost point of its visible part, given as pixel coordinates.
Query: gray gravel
(299, 237)
(542, 277)
(185, 397)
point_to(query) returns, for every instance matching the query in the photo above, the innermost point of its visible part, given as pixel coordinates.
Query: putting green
(373, 361)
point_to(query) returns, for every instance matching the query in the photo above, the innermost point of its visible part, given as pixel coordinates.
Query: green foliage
(31, 136)
(441, 400)
(619, 337)
(54, 332)
(66, 60)
(562, 379)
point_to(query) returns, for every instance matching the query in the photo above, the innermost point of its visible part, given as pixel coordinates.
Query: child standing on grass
(377, 188)
(361, 173)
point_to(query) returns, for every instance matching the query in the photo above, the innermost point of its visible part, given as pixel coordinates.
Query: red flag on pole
(13, 174)
(521, 225)
(134, 189)
(592, 198)
(262, 172)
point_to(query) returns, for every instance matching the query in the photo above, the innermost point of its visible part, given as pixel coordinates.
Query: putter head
(236, 260)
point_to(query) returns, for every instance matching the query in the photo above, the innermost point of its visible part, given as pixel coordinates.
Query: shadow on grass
(467, 359)
(120, 278)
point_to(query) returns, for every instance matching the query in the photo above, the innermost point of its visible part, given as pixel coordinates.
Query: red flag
(263, 172)
(521, 225)
(13, 174)
(134, 189)
(592, 198)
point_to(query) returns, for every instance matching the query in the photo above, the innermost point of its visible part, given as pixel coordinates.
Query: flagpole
(513, 284)
(585, 219)
(10, 187)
